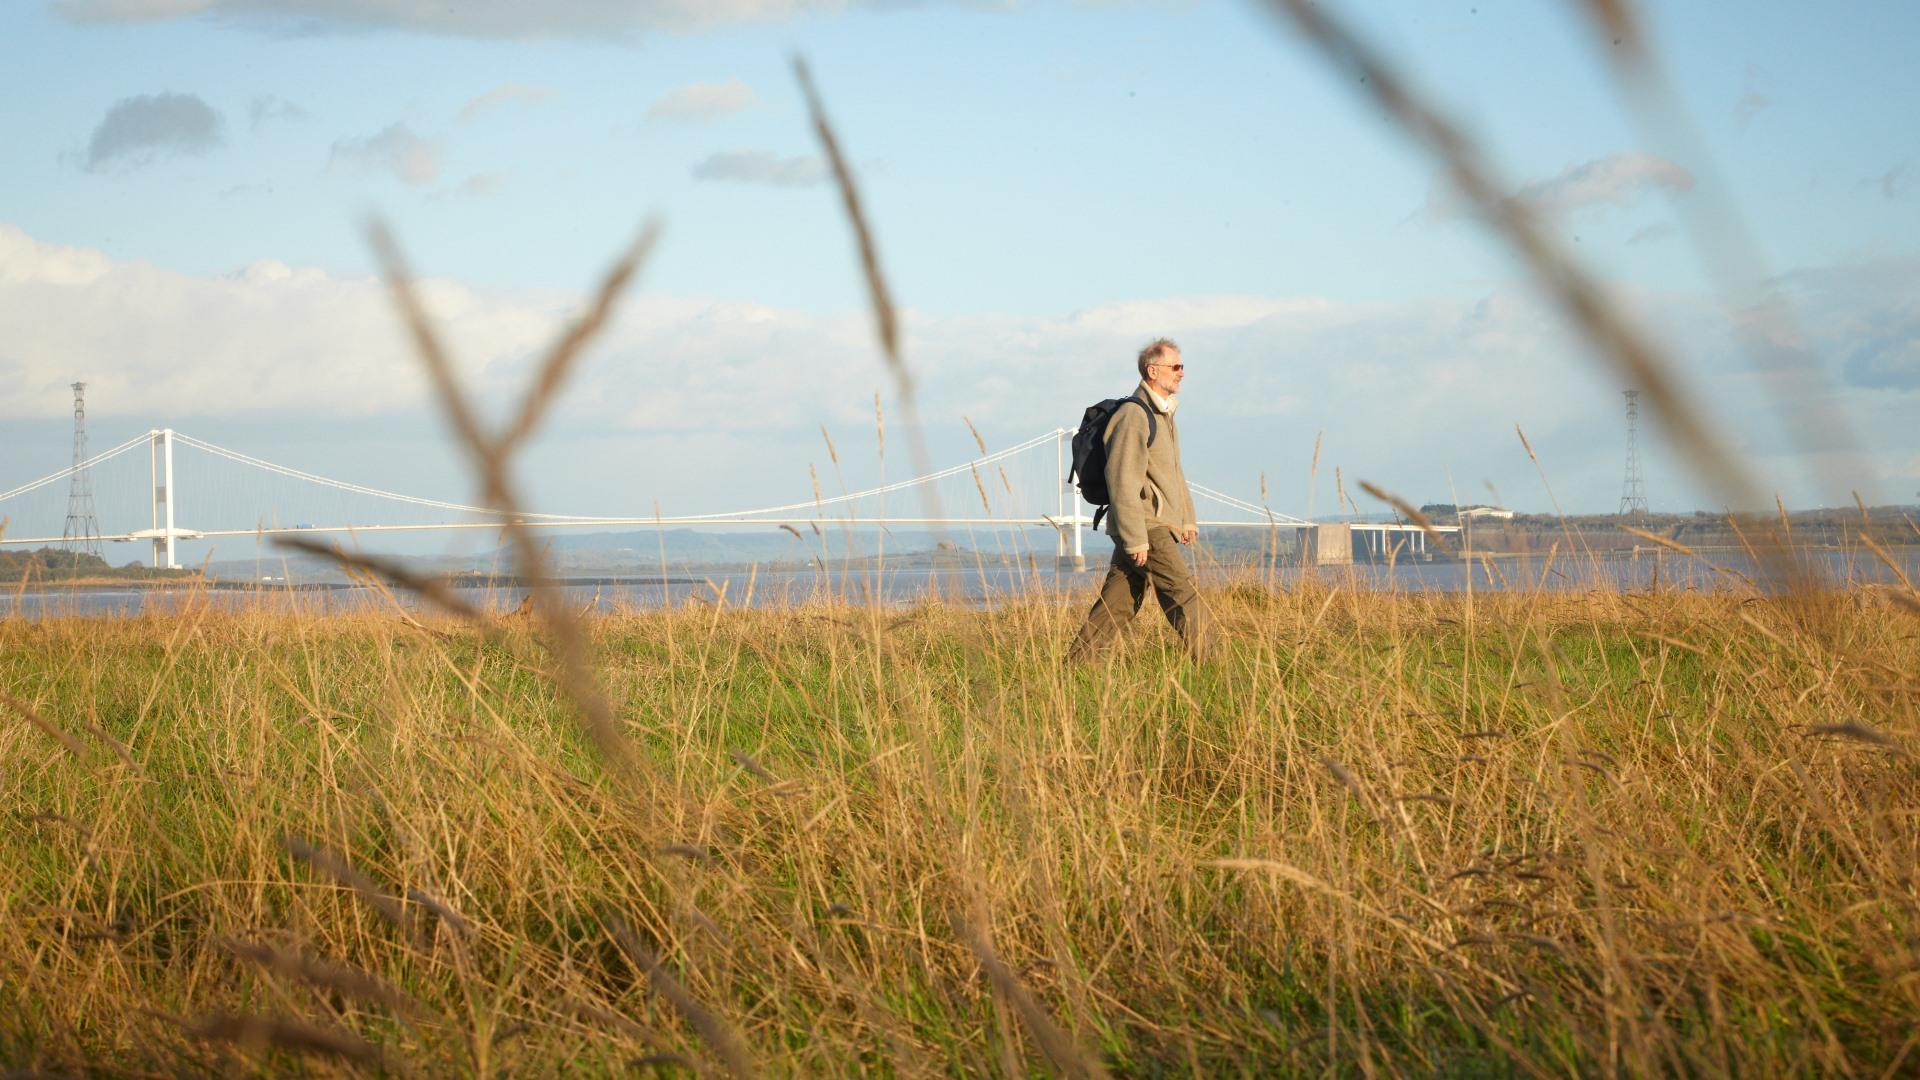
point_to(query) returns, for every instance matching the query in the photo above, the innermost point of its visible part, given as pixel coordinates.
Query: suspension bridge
(193, 490)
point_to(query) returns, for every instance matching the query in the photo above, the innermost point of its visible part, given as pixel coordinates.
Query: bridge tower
(82, 532)
(161, 470)
(1065, 497)
(1633, 496)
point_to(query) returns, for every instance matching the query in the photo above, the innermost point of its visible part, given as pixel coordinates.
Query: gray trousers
(1125, 589)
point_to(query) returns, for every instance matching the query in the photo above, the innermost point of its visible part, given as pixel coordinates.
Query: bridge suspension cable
(883, 489)
(342, 485)
(71, 469)
(441, 504)
(1242, 504)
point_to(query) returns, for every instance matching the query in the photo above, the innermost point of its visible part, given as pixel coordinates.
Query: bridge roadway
(1334, 541)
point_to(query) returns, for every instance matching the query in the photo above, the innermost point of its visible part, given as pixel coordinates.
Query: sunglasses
(1175, 367)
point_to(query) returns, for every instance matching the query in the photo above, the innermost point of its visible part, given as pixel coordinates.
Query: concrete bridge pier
(1330, 544)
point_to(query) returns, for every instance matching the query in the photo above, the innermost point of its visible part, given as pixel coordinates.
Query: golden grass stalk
(491, 457)
(1061, 1053)
(713, 1030)
(33, 717)
(1407, 510)
(429, 587)
(339, 869)
(317, 972)
(886, 323)
(255, 1033)
(879, 295)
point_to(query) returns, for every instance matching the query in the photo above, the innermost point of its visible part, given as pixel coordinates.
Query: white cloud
(478, 186)
(268, 109)
(1752, 102)
(761, 167)
(512, 19)
(702, 101)
(1891, 362)
(395, 150)
(139, 130)
(504, 94)
(130, 10)
(269, 338)
(1897, 181)
(1618, 180)
(23, 261)
(1869, 323)
(1652, 234)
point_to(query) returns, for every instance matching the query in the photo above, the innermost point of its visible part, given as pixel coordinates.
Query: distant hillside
(55, 564)
(1885, 525)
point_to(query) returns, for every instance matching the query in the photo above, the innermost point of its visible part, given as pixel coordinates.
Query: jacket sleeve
(1192, 524)
(1126, 440)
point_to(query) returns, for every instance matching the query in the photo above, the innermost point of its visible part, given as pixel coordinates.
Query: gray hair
(1155, 349)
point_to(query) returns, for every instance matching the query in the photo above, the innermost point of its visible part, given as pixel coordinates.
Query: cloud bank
(1413, 395)
(139, 130)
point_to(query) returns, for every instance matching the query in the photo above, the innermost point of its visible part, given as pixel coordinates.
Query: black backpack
(1090, 451)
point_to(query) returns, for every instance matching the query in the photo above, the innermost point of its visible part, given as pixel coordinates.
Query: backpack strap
(1152, 421)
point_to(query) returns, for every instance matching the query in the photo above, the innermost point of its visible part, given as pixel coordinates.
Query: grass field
(1521, 833)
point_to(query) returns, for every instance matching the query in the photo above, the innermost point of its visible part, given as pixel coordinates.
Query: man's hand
(1187, 535)
(1140, 558)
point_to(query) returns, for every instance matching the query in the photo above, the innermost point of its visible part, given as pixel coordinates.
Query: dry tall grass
(1387, 833)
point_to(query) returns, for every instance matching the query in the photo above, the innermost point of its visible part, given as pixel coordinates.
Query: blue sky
(180, 225)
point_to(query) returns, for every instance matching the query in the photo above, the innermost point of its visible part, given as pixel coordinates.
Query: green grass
(1380, 833)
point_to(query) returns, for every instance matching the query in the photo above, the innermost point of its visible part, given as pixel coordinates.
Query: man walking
(1151, 515)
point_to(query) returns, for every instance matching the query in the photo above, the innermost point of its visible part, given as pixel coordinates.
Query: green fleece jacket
(1146, 483)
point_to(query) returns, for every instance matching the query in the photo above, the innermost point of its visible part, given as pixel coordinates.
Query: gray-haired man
(1151, 515)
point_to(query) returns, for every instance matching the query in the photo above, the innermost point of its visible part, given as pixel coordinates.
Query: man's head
(1161, 368)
